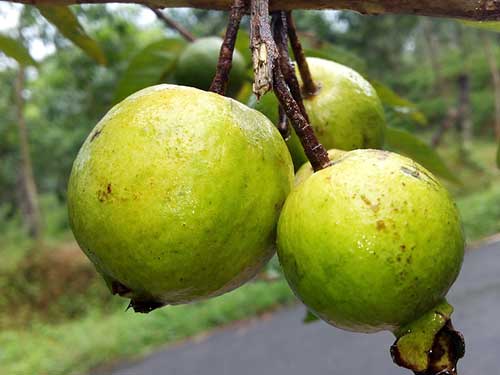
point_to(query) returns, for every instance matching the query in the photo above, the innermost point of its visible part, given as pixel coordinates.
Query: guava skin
(176, 194)
(198, 62)
(346, 113)
(370, 243)
(307, 171)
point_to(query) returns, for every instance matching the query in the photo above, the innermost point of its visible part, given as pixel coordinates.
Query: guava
(176, 193)
(307, 171)
(346, 113)
(371, 243)
(198, 62)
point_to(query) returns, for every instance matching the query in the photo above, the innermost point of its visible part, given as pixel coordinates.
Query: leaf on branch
(68, 25)
(398, 104)
(148, 66)
(310, 318)
(485, 25)
(407, 144)
(15, 49)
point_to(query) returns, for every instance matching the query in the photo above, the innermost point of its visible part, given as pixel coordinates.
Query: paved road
(282, 345)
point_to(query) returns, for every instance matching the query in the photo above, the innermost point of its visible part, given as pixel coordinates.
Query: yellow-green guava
(371, 243)
(198, 62)
(346, 113)
(176, 194)
(307, 171)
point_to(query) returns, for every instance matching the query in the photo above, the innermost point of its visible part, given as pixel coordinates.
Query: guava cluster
(179, 194)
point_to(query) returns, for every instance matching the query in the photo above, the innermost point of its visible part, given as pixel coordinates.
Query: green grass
(77, 346)
(481, 212)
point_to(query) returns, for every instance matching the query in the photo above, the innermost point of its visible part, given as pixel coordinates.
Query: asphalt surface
(282, 345)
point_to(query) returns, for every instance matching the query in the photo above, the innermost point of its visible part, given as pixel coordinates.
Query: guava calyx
(430, 345)
(143, 304)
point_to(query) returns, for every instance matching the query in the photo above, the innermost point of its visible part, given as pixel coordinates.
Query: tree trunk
(27, 193)
(495, 77)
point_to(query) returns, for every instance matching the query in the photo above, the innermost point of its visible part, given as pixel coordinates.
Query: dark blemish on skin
(403, 247)
(410, 172)
(366, 200)
(373, 207)
(103, 195)
(380, 225)
(95, 135)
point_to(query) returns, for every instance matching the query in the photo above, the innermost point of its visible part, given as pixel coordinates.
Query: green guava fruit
(307, 171)
(198, 62)
(346, 113)
(371, 243)
(166, 196)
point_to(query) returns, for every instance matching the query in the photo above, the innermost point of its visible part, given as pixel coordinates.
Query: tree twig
(219, 84)
(169, 22)
(279, 23)
(309, 87)
(314, 150)
(263, 48)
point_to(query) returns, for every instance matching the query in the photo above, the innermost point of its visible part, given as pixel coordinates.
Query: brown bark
(264, 50)
(480, 10)
(29, 205)
(495, 77)
(309, 87)
(221, 79)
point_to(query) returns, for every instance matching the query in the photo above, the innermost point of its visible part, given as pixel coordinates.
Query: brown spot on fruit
(95, 135)
(381, 225)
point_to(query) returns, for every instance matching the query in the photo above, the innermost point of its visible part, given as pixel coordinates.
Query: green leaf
(401, 106)
(69, 26)
(148, 66)
(14, 48)
(485, 25)
(407, 144)
(310, 318)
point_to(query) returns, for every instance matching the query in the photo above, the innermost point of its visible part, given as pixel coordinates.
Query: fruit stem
(219, 84)
(287, 90)
(169, 22)
(263, 48)
(280, 38)
(310, 88)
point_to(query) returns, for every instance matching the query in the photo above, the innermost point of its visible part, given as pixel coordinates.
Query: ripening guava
(198, 62)
(371, 243)
(176, 194)
(307, 171)
(346, 113)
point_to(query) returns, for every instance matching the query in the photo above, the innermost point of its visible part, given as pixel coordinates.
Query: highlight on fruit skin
(166, 196)
(371, 243)
(346, 113)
